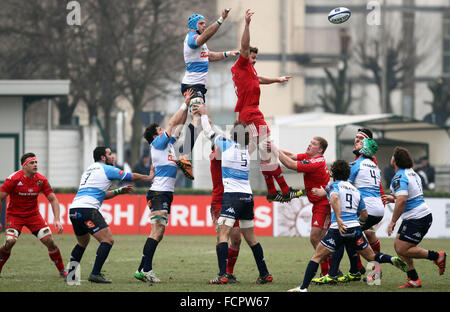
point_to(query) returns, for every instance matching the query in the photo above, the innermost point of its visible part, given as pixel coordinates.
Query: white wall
(11, 122)
(62, 154)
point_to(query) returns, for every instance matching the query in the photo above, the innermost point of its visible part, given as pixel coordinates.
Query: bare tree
(399, 63)
(147, 39)
(339, 99)
(440, 88)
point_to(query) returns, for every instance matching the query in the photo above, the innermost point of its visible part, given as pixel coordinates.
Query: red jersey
(23, 193)
(246, 86)
(216, 175)
(316, 175)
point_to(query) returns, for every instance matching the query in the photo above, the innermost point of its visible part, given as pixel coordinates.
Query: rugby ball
(339, 15)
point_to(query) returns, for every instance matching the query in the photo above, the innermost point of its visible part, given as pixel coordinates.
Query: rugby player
(23, 188)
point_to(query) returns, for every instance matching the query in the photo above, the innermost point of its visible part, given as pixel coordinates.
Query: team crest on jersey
(39, 183)
(396, 184)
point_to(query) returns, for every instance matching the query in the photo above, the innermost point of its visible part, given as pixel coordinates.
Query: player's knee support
(11, 234)
(225, 221)
(159, 219)
(246, 224)
(43, 233)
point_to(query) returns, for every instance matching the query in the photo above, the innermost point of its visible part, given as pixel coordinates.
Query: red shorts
(256, 123)
(34, 222)
(215, 212)
(321, 216)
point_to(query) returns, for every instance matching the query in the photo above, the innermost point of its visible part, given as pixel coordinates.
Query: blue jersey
(407, 182)
(350, 200)
(196, 59)
(365, 176)
(164, 160)
(235, 166)
(94, 184)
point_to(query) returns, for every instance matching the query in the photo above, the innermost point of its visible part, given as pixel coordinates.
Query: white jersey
(407, 182)
(196, 60)
(164, 160)
(235, 166)
(350, 200)
(365, 176)
(94, 184)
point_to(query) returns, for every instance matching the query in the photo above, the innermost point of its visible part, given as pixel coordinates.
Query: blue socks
(102, 254)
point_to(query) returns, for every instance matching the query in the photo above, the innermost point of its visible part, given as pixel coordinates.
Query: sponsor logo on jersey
(360, 241)
(89, 224)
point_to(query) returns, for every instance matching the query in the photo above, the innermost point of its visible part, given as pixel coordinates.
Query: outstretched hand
(199, 109)
(188, 96)
(284, 78)
(225, 13)
(248, 16)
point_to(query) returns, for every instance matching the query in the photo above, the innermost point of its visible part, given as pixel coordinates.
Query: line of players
(232, 198)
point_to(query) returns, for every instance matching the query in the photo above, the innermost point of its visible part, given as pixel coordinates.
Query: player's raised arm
(212, 29)
(245, 39)
(218, 56)
(179, 118)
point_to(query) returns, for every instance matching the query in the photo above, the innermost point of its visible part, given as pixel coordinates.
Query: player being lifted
(247, 88)
(345, 200)
(197, 58)
(237, 202)
(23, 188)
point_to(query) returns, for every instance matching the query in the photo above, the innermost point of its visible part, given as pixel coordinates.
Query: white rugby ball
(339, 15)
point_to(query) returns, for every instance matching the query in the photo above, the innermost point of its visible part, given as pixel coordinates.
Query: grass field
(186, 263)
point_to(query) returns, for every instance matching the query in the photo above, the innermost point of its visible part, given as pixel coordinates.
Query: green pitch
(187, 263)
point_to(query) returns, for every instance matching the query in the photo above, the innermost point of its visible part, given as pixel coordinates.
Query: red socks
(55, 256)
(232, 257)
(325, 266)
(278, 175)
(376, 246)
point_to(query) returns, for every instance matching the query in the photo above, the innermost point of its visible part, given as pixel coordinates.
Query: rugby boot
(63, 274)
(268, 278)
(324, 280)
(185, 166)
(440, 262)
(219, 280)
(98, 279)
(349, 277)
(278, 196)
(150, 277)
(231, 278)
(140, 276)
(399, 263)
(412, 284)
(293, 193)
(298, 289)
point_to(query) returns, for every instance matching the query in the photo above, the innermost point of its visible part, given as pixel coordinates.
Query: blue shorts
(159, 200)
(237, 206)
(354, 238)
(414, 230)
(86, 220)
(371, 221)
